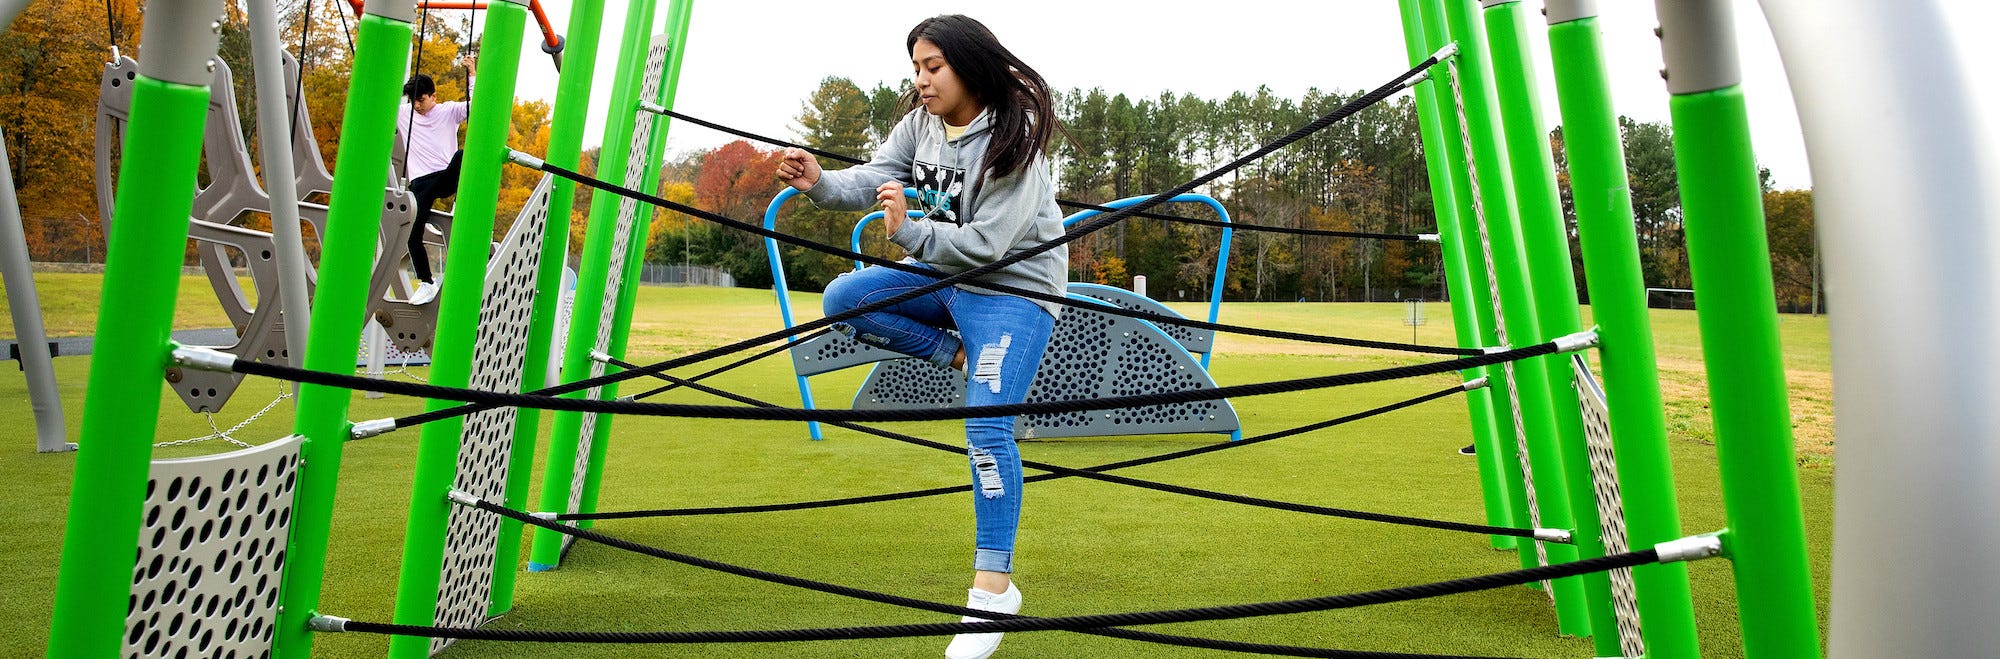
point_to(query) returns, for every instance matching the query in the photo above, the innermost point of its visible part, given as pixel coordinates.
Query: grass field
(1085, 547)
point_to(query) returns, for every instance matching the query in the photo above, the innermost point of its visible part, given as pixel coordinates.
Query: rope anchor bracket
(203, 358)
(1692, 548)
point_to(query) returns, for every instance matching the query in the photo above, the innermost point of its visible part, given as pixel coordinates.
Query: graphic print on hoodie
(938, 189)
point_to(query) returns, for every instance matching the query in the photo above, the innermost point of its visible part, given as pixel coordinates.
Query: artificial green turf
(1085, 547)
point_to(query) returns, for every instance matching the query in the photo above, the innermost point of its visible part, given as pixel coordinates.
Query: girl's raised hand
(895, 209)
(798, 169)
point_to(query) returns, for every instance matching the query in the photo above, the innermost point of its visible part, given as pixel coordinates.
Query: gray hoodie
(967, 222)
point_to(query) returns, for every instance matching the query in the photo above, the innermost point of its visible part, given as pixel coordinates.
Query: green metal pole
(558, 474)
(1723, 213)
(1610, 245)
(1731, 265)
(1502, 456)
(635, 256)
(490, 118)
(353, 225)
(1471, 315)
(1521, 325)
(572, 108)
(1546, 239)
(156, 183)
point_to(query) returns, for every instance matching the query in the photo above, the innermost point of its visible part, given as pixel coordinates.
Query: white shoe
(426, 291)
(981, 646)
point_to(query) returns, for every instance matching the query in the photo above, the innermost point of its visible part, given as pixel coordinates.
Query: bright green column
(353, 225)
(1722, 208)
(572, 107)
(1503, 456)
(1731, 265)
(635, 255)
(559, 472)
(1519, 322)
(1546, 240)
(156, 183)
(1610, 246)
(470, 245)
(1471, 312)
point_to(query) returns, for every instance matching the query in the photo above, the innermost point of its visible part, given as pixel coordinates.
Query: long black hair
(1024, 116)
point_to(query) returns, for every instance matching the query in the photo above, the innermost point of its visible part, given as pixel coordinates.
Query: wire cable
(936, 491)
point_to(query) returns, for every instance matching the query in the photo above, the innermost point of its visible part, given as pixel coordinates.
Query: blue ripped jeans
(1003, 336)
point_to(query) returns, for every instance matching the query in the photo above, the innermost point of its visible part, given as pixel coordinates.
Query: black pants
(428, 189)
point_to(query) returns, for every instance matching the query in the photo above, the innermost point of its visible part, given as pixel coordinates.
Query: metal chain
(284, 392)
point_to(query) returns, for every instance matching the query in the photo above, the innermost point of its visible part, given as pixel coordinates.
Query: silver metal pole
(50, 433)
(273, 126)
(377, 341)
(1907, 199)
(8, 10)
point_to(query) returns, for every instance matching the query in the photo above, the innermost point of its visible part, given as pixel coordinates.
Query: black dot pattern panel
(211, 554)
(833, 351)
(911, 383)
(1610, 507)
(1090, 355)
(628, 213)
(465, 584)
(1193, 339)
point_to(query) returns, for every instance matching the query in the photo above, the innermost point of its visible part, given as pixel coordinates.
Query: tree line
(1364, 174)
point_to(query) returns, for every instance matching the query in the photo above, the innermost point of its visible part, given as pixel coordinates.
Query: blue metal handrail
(1221, 256)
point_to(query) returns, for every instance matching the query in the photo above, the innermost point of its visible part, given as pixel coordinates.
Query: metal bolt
(1659, 32)
(211, 66)
(1663, 74)
(215, 26)
(174, 374)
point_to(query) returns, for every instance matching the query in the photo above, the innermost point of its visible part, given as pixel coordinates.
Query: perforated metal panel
(1091, 355)
(1193, 339)
(472, 537)
(628, 213)
(1500, 331)
(1610, 507)
(211, 552)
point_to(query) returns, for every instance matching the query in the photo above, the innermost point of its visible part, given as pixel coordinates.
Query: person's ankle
(992, 582)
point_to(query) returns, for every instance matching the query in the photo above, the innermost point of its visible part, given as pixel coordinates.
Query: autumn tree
(1795, 267)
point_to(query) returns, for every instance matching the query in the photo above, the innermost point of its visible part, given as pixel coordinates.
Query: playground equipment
(1901, 498)
(1090, 355)
(232, 194)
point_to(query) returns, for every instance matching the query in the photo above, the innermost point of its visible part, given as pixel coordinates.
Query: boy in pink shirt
(431, 164)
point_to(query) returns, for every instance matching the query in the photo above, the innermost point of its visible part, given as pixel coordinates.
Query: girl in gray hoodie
(974, 157)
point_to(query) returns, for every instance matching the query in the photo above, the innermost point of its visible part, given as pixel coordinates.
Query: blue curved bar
(1221, 255)
(783, 291)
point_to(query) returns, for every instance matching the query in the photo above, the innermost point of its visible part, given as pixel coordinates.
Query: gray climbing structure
(231, 197)
(1091, 355)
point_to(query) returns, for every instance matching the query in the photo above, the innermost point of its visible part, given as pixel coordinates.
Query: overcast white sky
(751, 64)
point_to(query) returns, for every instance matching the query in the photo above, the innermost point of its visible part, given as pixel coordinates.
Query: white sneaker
(981, 646)
(426, 291)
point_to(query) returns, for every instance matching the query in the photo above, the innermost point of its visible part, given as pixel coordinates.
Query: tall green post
(353, 225)
(635, 255)
(1471, 312)
(490, 118)
(1610, 246)
(1546, 239)
(572, 108)
(156, 183)
(558, 474)
(1731, 264)
(1503, 457)
(1517, 309)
